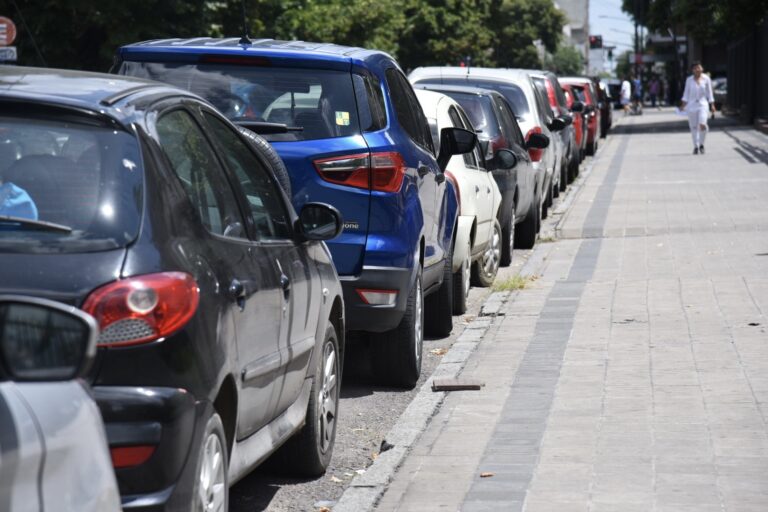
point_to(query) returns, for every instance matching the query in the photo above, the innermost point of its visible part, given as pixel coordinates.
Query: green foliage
(84, 34)
(567, 60)
(623, 65)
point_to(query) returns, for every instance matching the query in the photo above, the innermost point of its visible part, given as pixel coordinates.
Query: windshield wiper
(35, 224)
(265, 128)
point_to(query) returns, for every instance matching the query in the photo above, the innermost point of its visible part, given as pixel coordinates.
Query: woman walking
(698, 101)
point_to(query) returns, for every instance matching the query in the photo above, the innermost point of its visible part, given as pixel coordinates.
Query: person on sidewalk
(653, 91)
(698, 101)
(626, 93)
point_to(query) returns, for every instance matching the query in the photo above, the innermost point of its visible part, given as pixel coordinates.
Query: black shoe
(695, 151)
(701, 149)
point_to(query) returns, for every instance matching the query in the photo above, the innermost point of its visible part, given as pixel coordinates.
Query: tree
(567, 60)
(623, 65)
(517, 24)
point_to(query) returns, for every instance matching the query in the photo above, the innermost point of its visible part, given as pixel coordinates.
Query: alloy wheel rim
(328, 397)
(466, 270)
(418, 331)
(212, 478)
(512, 232)
(492, 255)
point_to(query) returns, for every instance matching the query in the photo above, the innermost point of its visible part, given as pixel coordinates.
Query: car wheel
(547, 202)
(508, 240)
(461, 282)
(396, 354)
(484, 270)
(591, 148)
(211, 492)
(438, 313)
(525, 234)
(565, 177)
(265, 149)
(308, 452)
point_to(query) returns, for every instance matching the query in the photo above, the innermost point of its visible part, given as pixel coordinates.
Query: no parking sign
(7, 31)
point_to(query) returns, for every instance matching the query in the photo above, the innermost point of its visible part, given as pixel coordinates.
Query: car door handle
(285, 283)
(236, 292)
(423, 171)
(439, 178)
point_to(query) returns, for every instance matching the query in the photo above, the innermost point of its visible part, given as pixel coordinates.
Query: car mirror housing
(454, 141)
(505, 158)
(577, 106)
(537, 141)
(43, 340)
(319, 221)
(567, 119)
(556, 124)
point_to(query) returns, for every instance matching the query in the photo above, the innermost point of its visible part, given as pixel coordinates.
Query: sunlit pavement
(632, 374)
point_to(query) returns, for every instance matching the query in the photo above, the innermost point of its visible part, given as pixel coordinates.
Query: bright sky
(608, 20)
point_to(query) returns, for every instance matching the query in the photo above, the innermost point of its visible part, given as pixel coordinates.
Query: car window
(540, 91)
(408, 110)
(508, 123)
(267, 209)
(318, 101)
(370, 101)
(470, 159)
(477, 156)
(514, 94)
(480, 112)
(84, 177)
(195, 165)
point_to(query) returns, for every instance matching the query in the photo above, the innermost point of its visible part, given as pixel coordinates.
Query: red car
(579, 125)
(585, 91)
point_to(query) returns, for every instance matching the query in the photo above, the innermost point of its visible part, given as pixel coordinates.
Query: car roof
(96, 92)
(505, 74)
(302, 50)
(467, 89)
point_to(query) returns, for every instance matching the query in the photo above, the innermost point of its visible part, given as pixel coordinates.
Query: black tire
(525, 234)
(547, 202)
(508, 240)
(438, 307)
(265, 149)
(213, 454)
(565, 177)
(591, 148)
(309, 451)
(484, 270)
(461, 282)
(396, 354)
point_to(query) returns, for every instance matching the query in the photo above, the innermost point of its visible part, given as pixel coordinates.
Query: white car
(53, 448)
(477, 241)
(518, 88)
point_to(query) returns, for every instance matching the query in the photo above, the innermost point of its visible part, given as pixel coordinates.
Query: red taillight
(130, 456)
(144, 308)
(534, 153)
(382, 172)
(450, 177)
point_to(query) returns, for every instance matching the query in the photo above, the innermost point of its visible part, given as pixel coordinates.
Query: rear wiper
(35, 224)
(265, 128)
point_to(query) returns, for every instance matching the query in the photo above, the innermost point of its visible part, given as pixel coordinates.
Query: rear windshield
(67, 187)
(480, 112)
(319, 103)
(511, 92)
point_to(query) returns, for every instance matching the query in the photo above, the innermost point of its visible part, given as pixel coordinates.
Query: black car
(221, 315)
(494, 119)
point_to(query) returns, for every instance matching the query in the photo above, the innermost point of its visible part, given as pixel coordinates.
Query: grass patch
(513, 283)
(547, 239)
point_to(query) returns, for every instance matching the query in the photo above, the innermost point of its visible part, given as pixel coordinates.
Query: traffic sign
(8, 54)
(7, 31)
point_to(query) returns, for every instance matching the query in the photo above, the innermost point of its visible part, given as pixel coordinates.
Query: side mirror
(42, 340)
(567, 119)
(454, 141)
(505, 158)
(537, 141)
(556, 124)
(577, 106)
(319, 221)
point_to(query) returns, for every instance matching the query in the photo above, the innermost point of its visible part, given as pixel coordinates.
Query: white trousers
(698, 117)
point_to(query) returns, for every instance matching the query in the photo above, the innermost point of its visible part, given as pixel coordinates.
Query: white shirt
(698, 95)
(626, 89)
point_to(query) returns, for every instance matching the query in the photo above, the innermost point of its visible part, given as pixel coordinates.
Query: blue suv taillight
(383, 172)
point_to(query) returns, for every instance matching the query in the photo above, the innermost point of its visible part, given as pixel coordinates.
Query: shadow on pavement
(752, 153)
(679, 125)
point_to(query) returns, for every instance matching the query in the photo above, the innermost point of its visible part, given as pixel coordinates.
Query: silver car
(53, 449)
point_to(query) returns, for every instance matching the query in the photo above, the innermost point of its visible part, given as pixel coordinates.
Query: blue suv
(352, 134)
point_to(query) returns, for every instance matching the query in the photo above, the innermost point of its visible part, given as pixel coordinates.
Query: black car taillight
(144, 308)
(383, 172)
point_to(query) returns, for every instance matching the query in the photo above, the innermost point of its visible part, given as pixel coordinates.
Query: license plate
(8, 54)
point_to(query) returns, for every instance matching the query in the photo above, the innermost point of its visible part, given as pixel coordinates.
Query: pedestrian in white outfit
(698, 101)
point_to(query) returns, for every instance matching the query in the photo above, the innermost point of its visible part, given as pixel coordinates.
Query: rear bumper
(167, 418)
(361, 316)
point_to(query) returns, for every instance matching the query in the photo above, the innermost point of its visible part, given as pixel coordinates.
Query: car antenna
(245, 39)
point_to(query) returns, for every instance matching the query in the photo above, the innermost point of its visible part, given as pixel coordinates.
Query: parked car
(53, 453)
(592, 110)
(604, 101)
(517, 180)
(477, 241)
(221, 315)
(613, 85)
(579, 126)
(720, 92)
(550, 88)
(518, 89)
(351, 132)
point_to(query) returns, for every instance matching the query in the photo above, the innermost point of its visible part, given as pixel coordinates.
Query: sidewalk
(632, 374)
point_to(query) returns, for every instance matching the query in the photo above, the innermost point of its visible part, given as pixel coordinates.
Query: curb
(366, 489)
